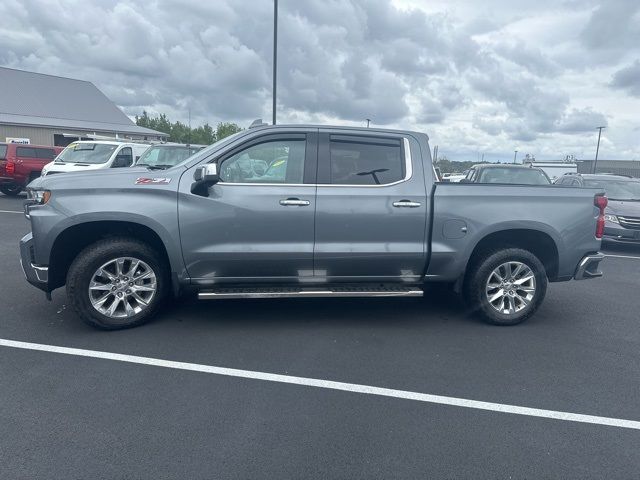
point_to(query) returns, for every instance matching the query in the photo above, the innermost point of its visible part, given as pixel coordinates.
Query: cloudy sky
(480, 77)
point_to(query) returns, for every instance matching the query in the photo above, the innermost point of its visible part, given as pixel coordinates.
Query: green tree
(181, 133)
(224, 129)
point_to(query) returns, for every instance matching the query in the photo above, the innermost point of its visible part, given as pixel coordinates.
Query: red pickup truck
(20, 164)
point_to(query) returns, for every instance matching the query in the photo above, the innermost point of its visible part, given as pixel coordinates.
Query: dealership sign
(25, 141)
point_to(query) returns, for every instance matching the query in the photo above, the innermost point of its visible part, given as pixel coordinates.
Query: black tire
(96, 255)
(475, 287)
(11, 190)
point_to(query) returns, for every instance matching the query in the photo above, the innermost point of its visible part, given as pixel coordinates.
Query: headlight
(611, 218)
(38, 197)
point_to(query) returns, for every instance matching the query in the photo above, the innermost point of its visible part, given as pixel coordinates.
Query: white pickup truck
(94, 155)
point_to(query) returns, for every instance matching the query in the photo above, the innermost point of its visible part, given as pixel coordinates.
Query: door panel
(255, 226)
(369, 232)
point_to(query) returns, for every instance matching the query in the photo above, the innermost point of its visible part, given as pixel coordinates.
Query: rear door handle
(406, 204)
(294, 202)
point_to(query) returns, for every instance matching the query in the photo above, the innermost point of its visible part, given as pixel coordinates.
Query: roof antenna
(257, 123)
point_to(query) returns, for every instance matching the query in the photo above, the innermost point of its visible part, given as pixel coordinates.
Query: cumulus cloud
(474, 76)
(628, 78)
(613, 29)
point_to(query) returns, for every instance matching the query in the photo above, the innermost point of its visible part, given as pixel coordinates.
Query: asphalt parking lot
(76, 416)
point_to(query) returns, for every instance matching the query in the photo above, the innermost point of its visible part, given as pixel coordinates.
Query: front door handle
(407, 204)
(294, 202)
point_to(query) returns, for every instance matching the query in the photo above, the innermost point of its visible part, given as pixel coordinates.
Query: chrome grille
(630, 222)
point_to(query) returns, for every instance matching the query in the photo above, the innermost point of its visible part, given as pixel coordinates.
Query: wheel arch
(74, 238)
(538, 242)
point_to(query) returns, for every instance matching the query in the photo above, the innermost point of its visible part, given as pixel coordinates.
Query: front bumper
(588, 267)
(37, 275)
(620, 234)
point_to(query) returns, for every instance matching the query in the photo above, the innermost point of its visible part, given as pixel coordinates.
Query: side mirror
(204, 176)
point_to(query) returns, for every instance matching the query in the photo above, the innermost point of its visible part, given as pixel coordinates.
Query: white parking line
(10, 211)
(622, 256)
(331, 385)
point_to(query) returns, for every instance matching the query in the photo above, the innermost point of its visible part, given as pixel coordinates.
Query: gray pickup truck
(306, 211)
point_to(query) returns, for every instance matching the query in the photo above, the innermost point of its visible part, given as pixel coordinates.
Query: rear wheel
(506, 287)
(11, 190)
(116, 283)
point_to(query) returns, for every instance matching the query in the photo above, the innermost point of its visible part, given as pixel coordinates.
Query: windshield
(86, 153)
(3, 152)
(166, 156)
(518, 176)
(617, 189)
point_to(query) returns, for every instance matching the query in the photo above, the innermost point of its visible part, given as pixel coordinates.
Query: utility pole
(189, 134)
(435, 153)
(595, 163)
(368, 121)
(514, 155)
(275, 55)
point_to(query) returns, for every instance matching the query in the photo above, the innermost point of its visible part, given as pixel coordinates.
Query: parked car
(506, 174)
(95, 155)
(623, 211)
(457, 177)
(451, 177)
(554, 170)
(20, 163)
(337, 212)
(165, 155)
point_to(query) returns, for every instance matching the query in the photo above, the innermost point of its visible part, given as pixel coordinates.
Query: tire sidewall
(11, 190)
(88, 262)
(481, 276)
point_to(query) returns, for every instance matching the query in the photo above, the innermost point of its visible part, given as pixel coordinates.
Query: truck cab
(21, 163)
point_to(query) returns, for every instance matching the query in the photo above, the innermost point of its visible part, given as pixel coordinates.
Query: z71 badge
(152, 181)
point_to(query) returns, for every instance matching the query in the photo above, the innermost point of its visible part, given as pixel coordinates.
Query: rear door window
(45, 153)
(3, 152)
(26, 152)
(365, 161)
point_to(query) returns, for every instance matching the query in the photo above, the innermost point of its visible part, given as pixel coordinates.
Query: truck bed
(567, 215)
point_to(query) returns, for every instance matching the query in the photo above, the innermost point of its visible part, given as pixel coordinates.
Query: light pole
(595, 163)
(275, 55)
(368, 121)
(514, 155)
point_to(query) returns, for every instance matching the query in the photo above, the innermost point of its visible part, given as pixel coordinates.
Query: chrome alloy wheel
(511, 287)
(122, 287)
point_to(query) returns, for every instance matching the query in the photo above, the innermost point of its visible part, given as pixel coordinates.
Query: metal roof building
(48, 110)
(617, 167)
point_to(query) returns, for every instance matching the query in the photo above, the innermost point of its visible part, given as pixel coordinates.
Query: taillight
(601, 202)
(10, 168)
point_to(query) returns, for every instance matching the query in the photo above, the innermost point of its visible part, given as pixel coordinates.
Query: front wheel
(11, 190)
(116, 283)
(506, 287)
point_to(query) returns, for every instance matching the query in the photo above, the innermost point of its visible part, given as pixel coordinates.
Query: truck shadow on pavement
(439, 305)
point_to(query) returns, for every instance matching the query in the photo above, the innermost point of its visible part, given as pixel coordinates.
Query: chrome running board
(223, 293)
